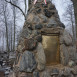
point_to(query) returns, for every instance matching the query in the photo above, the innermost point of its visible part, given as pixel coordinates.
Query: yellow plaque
(51, 48)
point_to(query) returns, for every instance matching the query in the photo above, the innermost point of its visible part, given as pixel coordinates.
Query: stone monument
(45, 48)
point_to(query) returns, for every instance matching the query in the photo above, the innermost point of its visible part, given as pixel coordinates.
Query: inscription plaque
(51, 48)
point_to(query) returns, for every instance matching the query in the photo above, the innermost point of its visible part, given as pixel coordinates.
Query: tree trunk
(6, 32)
(75, 12)
(14, 14)
(11, 38)
(14, 27)
(25, 5)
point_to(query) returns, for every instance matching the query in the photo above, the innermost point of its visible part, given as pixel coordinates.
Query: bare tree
(14, 14)
(17, 7)
(75, 13)
(9, 25)
(3, 41)
(11, 38)
(25, 5)
(69, 16)
(5, 18)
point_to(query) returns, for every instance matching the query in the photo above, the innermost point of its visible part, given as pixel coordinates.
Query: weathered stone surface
(52, 7)
(43, 18)
(62, 25)
(40, 57)
(38, 26)
(52, 23)
(23, 74)
(61, 39)
(19, 48)
(54, 71)
(17, 62)
(67, 38)
(64, 54)
(34, 33)
(71, 63)
(38, 10)
(45, 74)
(45, 6)
(47, 13)
(76, 59)
(36, 20)
(25, 33)
(37, 5)
(29, 44)
(55, 30)
(27, 63)
(66, 71)
(31, 18)
(39, 38)
(36, 74)
(72, 52)
(12, 74)
(74, 71)
(30, 27)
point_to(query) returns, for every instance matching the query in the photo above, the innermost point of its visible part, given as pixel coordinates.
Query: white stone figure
(36, 1)
(27, 6)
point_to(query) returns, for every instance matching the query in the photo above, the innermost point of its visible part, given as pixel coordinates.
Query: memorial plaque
(51, 48)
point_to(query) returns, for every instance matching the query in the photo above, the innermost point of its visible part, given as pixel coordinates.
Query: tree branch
(17, 7)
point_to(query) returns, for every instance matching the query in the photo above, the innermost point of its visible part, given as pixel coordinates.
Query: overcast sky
(61, 6)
